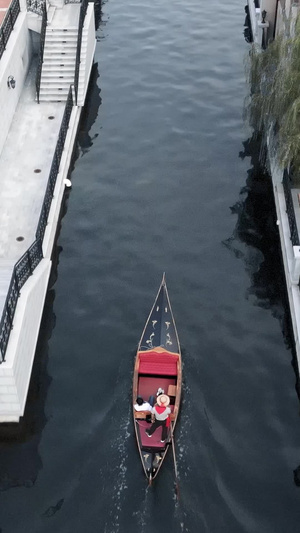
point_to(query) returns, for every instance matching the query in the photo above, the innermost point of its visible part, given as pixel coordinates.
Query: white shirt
(144, 407)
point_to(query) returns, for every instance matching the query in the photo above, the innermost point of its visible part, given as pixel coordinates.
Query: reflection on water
(22, 440)
(255, 238)
(89, 113)
(256, 241)
(153, 192)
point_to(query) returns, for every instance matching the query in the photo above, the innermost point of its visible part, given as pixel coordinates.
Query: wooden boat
(157, 366)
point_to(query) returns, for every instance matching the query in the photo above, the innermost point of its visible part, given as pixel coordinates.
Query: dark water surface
(164, 182)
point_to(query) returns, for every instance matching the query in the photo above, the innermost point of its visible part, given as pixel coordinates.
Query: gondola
(157, 367)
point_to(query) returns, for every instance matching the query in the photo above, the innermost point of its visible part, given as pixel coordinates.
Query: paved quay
(25, 164)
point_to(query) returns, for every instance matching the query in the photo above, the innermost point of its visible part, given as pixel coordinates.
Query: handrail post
(16, 280)
(9, 314)
(29, 262)
(41, 57)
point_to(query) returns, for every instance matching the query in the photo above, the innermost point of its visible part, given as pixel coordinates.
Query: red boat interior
(149, 385)
(160, 363)
(156, 370)
(150, 442)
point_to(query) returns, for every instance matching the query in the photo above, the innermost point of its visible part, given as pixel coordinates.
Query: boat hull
(157, 366)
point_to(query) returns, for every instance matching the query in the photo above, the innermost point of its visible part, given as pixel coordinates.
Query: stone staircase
(59, 59)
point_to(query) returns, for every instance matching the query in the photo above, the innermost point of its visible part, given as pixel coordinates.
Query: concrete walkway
(25, 164)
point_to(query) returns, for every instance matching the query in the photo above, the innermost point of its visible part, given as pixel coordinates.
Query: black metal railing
(21, 272)
(36, 6)
(55, 166)
(24, 268)
(286, 182)
(8, 24)
(82, 14)
(41, 56)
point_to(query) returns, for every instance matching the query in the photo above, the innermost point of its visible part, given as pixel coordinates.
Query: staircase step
(61, 31)
(53, 76)
(58, 83)
(56, 95)
(57, 98)
(49, 45)
(58, 71)
(52, 90)
(53, 54)
(59, 75)
(59, 41)
(61, 62)
(54, 29)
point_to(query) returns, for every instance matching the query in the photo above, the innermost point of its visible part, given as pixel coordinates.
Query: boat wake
(119, 474)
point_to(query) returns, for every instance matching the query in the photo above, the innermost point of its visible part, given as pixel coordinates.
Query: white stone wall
(14, 62)
(60, 184)
(290, 253)
(16, 371)
(89, 27)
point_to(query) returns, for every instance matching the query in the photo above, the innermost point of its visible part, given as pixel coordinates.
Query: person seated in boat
(161, 413)
(141, 405)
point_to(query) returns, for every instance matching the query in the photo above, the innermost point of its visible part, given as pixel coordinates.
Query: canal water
(166, 179)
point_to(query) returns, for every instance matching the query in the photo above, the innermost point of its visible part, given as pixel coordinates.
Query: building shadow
(89, 113)
(19, 457)
(256, 241)
(20, 461)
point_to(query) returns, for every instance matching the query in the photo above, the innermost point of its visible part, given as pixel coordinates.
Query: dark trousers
(151, 401)
(155, 425)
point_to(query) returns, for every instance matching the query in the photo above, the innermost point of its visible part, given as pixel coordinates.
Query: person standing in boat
(161, 412)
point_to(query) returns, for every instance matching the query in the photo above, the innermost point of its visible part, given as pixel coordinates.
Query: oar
(175, 462)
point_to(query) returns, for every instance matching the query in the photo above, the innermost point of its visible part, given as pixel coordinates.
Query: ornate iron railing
(29, 261)
(36, 6)
(55, 166)
(286, 182)
(82, 14)
(41, 56)
(21, 272)
(8, 24)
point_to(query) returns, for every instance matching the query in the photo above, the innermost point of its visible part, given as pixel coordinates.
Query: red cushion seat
(162, 363)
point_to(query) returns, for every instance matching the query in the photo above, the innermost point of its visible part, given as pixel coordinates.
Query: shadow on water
(98, 12)
(256, 241)
(90, 112)
(19, 457)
